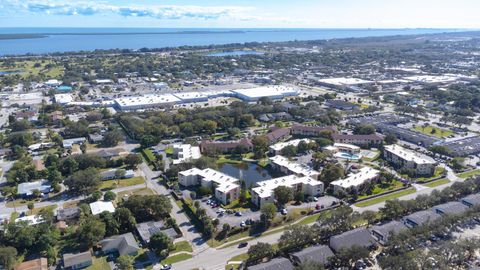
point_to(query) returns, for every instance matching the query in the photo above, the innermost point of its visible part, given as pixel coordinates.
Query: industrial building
(272, 92)
(146, 102)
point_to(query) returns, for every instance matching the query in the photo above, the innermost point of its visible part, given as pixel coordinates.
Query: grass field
(109, 184)
(176, 258)
(99, 264)
(438, 172)
(390, 196)
(140, 191)
(378, 189)
(36, 67)
(238, 258)
(35, 211)
(182, 246)
(437, 183)
(469, 174)
(434, 131)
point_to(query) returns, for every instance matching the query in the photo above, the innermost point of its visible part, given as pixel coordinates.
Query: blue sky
(241, 13)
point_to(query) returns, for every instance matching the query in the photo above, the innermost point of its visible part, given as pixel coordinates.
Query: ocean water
(88, 39)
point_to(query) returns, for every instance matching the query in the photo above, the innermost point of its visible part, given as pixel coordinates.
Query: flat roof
(152, 100)
(265, 189)
(63, 98)
(358, 178)
(100, 206)
(225, 182)
(294, 167)
(266, 91)
(409, 155)
(281, 145)
(344, 81)
(186, 152)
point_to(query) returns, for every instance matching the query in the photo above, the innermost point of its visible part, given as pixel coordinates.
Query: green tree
(310, 265)
(161, 244)
(125, 219)
(332, 172)
(289, 151)
(283, 194)
(112, 138)
(8, 257)
(146, 208)
(347, 256)
(364, 129)
(269, 211)
(261, 251)
(90, 231)
(133, 160)
(124, 262)
(260, 146)
(83, 182)
(109, 196)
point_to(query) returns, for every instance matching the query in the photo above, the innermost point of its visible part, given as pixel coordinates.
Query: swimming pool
(348, 156)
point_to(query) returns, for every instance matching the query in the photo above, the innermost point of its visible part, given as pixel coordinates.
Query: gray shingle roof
(473, 199)
(70, 259)
(28, 187)
(382, 232)
(124, 244)
(451, 208)
(319, 254)
(421, 217)
(357, 237)
(275, 264)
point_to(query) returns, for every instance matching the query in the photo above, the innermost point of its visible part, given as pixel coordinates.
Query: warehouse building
(146, 102)
(272, 92)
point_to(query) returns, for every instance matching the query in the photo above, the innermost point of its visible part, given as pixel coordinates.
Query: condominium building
(313, 131)
(359, 140)
(408, 159)
(355, 181)
(264, 192)
(226, 187)
(286, 166)
(185, 152)
(277, 148)
(225, 146)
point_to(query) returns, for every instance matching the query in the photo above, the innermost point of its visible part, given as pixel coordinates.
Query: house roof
(100, 206)
(147, 229)
(386, 229)
(357, 237)
(124, 244)
(66, 213)
(28, 187)
(451, 208)
(319, 254)
(70, 259)
(37, 264)
(275, 264)
(422, 217)
(277, 134)
(371, 137)
(473, 199)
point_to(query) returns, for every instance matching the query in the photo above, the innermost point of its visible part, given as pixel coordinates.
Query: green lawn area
(222, 159)
(140, 191)
(390, 196)
(182, 246)
(109, 184)
(378, 189)
(99, 264)
(238, 258)
(438, 172)
(35, 211)
(437, 183)
(176, 258)
(437, 132)
(263, 162)
(469, 173)
(20, 202)
(236, 205)
(377, 154)
(309, 219)
(169, 150)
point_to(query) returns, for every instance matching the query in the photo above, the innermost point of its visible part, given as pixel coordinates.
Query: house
(37, 264)
(311, 131)
(450, 208)
(278, 134)
(68, 213)
(185, 153)
(264, 191)
(100, 207)
(110, 174)
(420, 218)
(408, 159)
(382, 232)
(225, 147)
(27, 189)
(30, 220)
(471, 200)
(319, 254)
(341, 104)
(358, 140)
(73, 261)
(354, 181)
(356, 237)
(278, 147)
(109, 153)
(95, 138)
(227, 188)
(124, 244)
(68, 143)
(147, 229)
(274, 264)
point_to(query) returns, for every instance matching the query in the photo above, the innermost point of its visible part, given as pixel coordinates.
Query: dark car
(242, 245)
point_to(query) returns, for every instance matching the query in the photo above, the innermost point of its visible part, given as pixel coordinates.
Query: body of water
(250, 172)
(234, 53)
(50, 40)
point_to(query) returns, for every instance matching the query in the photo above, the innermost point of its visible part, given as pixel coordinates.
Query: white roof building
(409, 155)
(272, 92)
(185, 153)
(100, 206)
(103, 81)
(344, 81)
(53, 82)
(287, 166)
(276, 148)
(191, 96)
(355, 180)
(31, 220)
(63, 99)
(146, 101)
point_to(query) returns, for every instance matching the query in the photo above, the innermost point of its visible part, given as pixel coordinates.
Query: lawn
(20, 202)
(469, 173)
(390, 196)
(176, 258)
(439, 171)
(434, 131)
(169, 150)
(378, 189)
(110, 184)
(236, 205)
(229, 159)
(182, 246)
(35, 211)
(99, 264)
(140, 191)
(148, 155)
(238, 258)
(437, 183)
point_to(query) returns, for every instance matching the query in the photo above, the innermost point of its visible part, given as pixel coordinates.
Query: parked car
(242, 245)
(238, 214)
(166, 267)
(284, 211)
(243, 224)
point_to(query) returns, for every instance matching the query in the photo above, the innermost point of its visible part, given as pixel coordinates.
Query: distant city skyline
(241, 13)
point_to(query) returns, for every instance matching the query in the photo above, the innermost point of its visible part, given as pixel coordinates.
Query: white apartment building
(355, 181)
(185, 152)
(286, 166)
(264, 192)
(226, 187)
(405, 158)
(277, 148)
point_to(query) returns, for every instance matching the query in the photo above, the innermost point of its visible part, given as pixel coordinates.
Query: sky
(241, 13)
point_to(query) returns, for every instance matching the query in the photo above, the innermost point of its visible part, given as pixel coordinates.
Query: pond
(250, 172)
(234, 53)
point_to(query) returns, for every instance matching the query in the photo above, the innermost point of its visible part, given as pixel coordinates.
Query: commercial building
(286, 166)
(76, 261)
(355, 181)
(146, 102)
(271, 92)
(100, 207)
(311, 131)
(341, 105)
(358, 237)
(464, 146)
(28, 188)
(63, 99)
(264, 191)
(185, 153)
(226, 187)
(408, 159)
(225, 146)
(408, 135)
(343, 82)
(187, 97)
(277, 148)
(359, 140)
